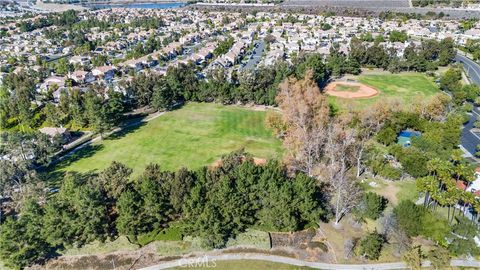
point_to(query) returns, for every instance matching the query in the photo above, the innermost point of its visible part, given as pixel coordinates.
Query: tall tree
(21, 243)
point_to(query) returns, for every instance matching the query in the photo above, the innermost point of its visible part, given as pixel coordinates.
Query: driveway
(256, 56)
(469, 140)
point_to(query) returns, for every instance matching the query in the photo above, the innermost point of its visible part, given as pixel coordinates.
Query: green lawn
(407, 87)
(244, 265)
(193, 136)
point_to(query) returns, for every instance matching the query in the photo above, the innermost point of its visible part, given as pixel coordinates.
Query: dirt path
(204, 260)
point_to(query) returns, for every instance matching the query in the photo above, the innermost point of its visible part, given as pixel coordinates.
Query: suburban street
(469, 139)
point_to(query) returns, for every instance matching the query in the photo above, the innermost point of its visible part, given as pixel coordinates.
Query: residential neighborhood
(239, 135)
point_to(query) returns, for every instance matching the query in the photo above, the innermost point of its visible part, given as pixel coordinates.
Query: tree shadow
(73, 156)
(126, 129)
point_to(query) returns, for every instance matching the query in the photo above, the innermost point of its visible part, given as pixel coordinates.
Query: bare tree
(339, 160)
(434, 109)
(369, 122)
(348, 248)
(395, 235)
(319, 144)
(307, 114)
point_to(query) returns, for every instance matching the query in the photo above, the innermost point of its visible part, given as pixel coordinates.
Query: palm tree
(452, 196)
(427, 185)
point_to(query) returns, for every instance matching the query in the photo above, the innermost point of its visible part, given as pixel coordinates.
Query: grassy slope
(195, 135)
(408, 87)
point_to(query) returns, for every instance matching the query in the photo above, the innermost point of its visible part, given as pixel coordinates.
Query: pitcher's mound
(350, 90)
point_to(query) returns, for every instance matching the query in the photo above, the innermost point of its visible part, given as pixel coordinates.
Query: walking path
(210, 260)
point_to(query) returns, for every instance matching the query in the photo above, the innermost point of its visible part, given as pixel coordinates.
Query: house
(58, 93)
(79, 60)
(474, 186)
(104, 72)
(80, 76)
(49, 82)
(56, 131)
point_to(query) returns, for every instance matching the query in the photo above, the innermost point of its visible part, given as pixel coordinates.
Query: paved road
(210, 261)
(256, 57)
(470, 140)
(471, 67)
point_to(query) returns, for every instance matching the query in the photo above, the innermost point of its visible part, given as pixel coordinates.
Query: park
(195, 135)
(374, 86)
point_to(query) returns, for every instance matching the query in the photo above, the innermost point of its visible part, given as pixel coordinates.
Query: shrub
(413, 258)
(409, 217)
(371, 246)
(389, 172)
(387, 136)
(439, 257)
(434, 227)
(372, 206)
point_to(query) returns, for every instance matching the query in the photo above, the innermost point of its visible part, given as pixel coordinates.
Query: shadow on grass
(127, 128)
(85, 152)
(54, 175)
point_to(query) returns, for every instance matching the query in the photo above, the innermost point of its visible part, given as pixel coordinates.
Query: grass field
(407, 87)
(245, 264)
(193, 136)
(394, 191)
(347, 88)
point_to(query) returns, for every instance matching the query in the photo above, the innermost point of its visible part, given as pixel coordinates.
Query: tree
(447, 51)
(307, 114)
(413, 257)
(52, 115)
(228, 199)
(156, 207)
(395, 235)
(100, 123)
(313, 62)
(357, 50)
(318, 144)
(338, 148)
(180, 188)
(21, 243)
(450, 80)
(114, 179)
(398, 36)
(224, 46)
(162, 98)
(372, 206)
(387, 136)
(409, 217)
(371, 246)
(129, 221)
(114, 107)
(62, 67)
(78, 214)
(369, 123)
(462, 242)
